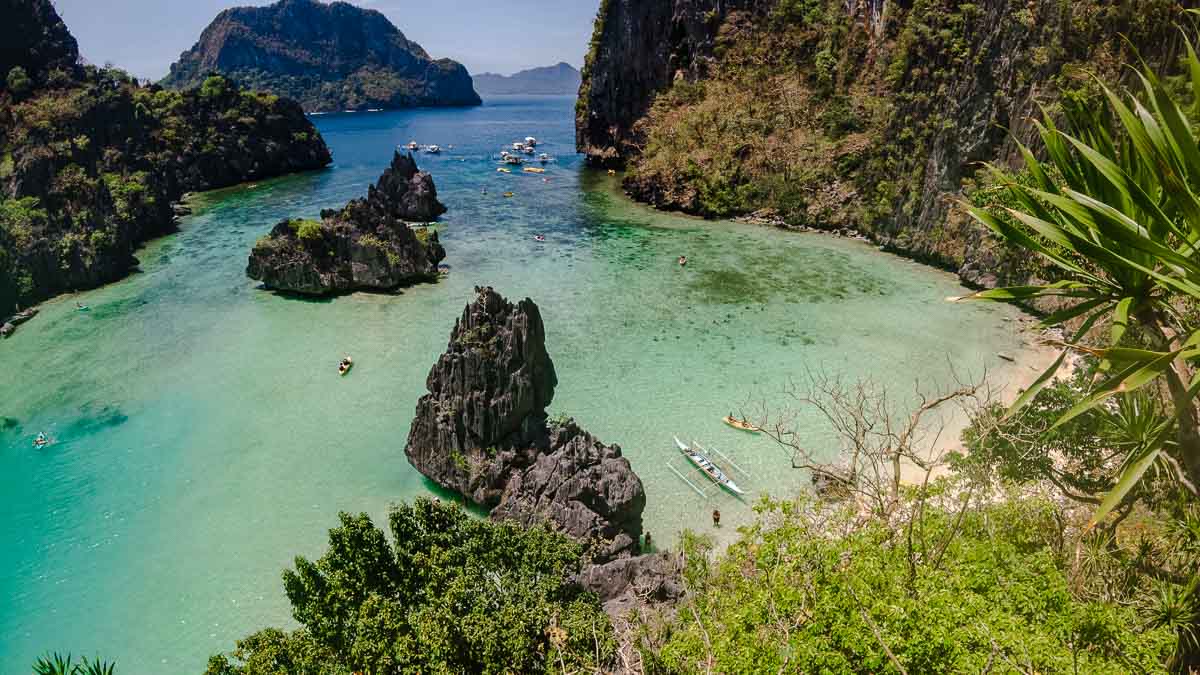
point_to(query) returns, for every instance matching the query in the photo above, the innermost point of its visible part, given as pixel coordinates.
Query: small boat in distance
(412, 145)
(714, 472)
(533, 169)
(433, 149)
(503, 170)
(374, 109)
(513, 159)
(531, 141)
(741, 424)
(508, 195)
(41, 441)
(345, 366)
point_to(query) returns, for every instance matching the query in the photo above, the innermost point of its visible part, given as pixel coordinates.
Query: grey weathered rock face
(482, 431)
(628, 583)
(639, 48)
(368, 245)
(583, 486)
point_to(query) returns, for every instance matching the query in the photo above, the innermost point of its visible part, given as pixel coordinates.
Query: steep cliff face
(482, 431)
(638, 48)
(33, 37)
(91, 163)
(368, 245)
(326, 56)
(863, 114)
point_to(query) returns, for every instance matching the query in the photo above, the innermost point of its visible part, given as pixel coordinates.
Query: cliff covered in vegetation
(326, 56)
(367, 245)
(92, 163)
(871, 115)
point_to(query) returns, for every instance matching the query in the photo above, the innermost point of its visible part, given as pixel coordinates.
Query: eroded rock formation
(368, 245)
(482, 430)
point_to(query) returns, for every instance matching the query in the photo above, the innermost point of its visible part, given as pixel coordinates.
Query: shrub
(953, 595)
(18, 80)
(307, 230)
(214, 87)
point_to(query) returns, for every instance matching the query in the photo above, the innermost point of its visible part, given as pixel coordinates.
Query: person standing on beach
(716, 518)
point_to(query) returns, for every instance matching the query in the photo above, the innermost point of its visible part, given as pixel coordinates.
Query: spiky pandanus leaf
(1119, 216)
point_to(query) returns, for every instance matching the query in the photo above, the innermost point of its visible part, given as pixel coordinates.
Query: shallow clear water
(203, 438)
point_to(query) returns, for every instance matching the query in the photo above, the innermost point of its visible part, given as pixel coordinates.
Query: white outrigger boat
(696, 456)
(433, 150)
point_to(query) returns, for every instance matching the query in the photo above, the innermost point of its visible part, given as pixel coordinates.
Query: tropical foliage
(1117, 214)
(951, 586)
(76, 203)
(57, 664)
(834, 116)
(450, 594)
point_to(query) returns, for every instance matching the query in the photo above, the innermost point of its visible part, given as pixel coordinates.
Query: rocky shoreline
(368, 245)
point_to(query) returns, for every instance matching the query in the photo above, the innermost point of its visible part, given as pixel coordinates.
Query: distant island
(325, 56)
(561, 79)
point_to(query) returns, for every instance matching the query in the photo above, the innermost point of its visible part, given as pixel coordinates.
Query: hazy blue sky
(146, 36)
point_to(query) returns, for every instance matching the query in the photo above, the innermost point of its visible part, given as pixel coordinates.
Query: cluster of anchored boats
(527, 148)
(433, 149)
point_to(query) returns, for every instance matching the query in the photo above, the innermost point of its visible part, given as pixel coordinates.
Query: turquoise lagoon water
(203, 438)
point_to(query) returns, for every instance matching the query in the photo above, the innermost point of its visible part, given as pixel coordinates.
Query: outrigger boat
(742, 425)
(715, 474)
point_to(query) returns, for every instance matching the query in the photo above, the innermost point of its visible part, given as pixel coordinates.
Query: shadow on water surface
(443, 494)
(94, 417)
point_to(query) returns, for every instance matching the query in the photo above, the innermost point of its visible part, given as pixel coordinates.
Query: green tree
(215, 86)
(18, 80)
(450, 594)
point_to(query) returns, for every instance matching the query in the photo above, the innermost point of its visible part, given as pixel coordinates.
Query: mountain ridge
(328, 57)
(559, 79)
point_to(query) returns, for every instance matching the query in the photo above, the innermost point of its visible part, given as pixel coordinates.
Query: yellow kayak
(739, 424)
(533, 169)
(503, 170)
(508, 194)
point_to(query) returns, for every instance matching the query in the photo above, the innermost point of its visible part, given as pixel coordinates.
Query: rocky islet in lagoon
(371, 244)
(204, 438)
